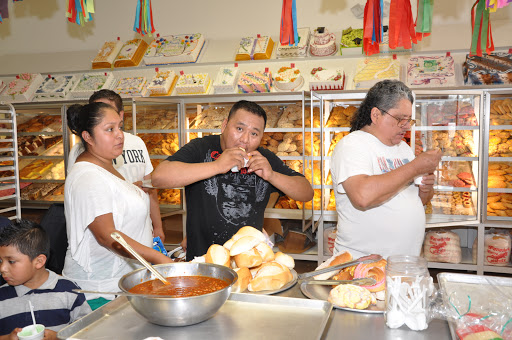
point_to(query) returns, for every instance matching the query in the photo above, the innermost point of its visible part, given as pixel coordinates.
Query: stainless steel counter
(354, 325)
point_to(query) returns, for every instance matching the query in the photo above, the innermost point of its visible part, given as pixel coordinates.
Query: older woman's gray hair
(384, 95)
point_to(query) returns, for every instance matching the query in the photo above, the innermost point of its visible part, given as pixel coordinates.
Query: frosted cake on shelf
(372, 70)
(251, 82)
(2, 86)
(162, 83)
(131, 87)
(494, 68)
(322, 79)
(56, 87)
(23, 88)
(131, 53)
(107, 54)
(351, 41)
(323, 43)
(288, 79)
(174, 49)
(431, 71)
(226, 80)
(90, 83)
(300, 49)
(255, 48)
(197, 83)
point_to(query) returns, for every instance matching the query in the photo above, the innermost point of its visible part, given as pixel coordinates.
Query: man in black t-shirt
(220, 199)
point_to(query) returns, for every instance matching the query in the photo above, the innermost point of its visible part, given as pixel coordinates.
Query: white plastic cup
(235, 168)
(418, 180)
(26, 332)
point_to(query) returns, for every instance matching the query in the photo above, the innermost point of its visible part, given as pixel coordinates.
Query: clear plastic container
(408, 290)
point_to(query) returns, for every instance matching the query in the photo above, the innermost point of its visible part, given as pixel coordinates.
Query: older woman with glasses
(380, 210)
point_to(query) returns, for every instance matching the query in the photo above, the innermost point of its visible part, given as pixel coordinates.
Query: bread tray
(478, 287)
(243, 316)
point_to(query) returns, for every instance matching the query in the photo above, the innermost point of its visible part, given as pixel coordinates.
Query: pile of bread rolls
(316, 201)
(273, 113)
(257, 266)
(457, 143)
(451, 203)
(500, 143)
(169, 196)
(500, 175)
(291, 117)
(335, 139)
(283, 144)
(499, 204)
(161, 143)
(341, 116)
(501, 112)
(284, 202)
(316, 117)
(210, 118)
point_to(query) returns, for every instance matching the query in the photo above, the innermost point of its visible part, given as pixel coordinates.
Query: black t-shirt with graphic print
(220, 205)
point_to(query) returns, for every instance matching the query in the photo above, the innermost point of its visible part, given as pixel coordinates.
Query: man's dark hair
(252, 107)
(110, 95)
(384, 95)
(27, 236)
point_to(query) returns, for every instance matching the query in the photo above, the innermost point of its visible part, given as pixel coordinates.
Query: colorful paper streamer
(401, 25)
(144, 18)
(493, 5)
(288, 34)
(481, 37)
(79, 11)
(372, 26)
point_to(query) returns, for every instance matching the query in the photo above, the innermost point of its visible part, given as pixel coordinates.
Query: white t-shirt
(395, 227)
(133, 164)
(91, 191)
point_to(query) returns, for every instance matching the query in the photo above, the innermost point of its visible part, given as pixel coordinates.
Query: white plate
(282, 289)
(319, 292)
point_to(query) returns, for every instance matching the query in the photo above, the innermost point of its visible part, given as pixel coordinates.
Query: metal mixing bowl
(168, 311)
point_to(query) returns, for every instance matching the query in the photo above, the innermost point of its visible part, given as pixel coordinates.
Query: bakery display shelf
(495, 223)
(457, 158)
(501, 218)
(337, 129)
(444, 127)
(500, 127)
(40, 133)
(288, 214)
(499, 269)
(441, 220)
(310, 254)
(202, 130)
(466, 262)
(504, 190)
(449, 188)
(61, 157)
(500, 159)
(158, 131)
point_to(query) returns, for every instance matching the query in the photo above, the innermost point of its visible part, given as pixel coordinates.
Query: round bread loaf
(250, 258)
(217, 254)
(285, 259)
(249, 231)
(243, 244)
(244, 277)
(270, 276)
(266, 253)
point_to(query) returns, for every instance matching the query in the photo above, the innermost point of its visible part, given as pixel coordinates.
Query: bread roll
(336, 259)
(351, 296)
(217, 254)
(285, 259)
(228, 244)
(249, 231)
(244, 277)
(244, 244)
(271, 276)
(250, 258)
(266, 253)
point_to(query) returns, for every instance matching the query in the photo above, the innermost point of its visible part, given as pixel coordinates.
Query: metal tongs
(362, 281)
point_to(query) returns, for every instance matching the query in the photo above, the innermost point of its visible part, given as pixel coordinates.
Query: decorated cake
(90, 83)
(372, 70)
(56, 87)
(299, 49)
(251, 82)
(288, 79)
(323, 43)
(131, 87)
(351, 41)
(431, 71)
(23, 88)
(131, 53)
(107, 54)
(174, 49)
(326, 79)
(226, 80)
(162, 83)
(494, 68)
(197, 83)
(255, 48)
(2, 86)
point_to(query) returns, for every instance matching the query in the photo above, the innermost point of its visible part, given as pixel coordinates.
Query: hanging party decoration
(424, 18)
(79, 11)
(372, 26)
(481, 37)
(401, 26)
(144, 18)
(4, 9)
(493, 5)
(288, 31)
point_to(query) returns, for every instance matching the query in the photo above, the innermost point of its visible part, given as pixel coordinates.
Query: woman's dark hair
(384, 95)
(109, 95)
(85, 117)
(252, 107)
(27, 236)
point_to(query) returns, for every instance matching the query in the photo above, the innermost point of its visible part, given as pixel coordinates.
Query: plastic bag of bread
(442, 246)
(497, 248)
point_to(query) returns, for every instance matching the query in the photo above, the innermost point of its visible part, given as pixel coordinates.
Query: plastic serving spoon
(116, 236)
(364, 259)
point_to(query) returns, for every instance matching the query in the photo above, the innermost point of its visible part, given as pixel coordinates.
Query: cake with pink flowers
(23, 88)
(258, 82)
(431, 71)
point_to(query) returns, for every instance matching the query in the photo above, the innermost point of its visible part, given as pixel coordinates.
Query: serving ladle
(116, 236)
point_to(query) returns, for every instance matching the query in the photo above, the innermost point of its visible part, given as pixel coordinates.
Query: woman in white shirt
(98, 201)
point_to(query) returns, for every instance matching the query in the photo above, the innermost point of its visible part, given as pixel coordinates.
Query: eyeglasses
(401, 122)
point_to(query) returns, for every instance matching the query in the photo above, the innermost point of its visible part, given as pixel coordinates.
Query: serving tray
(243, 316)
